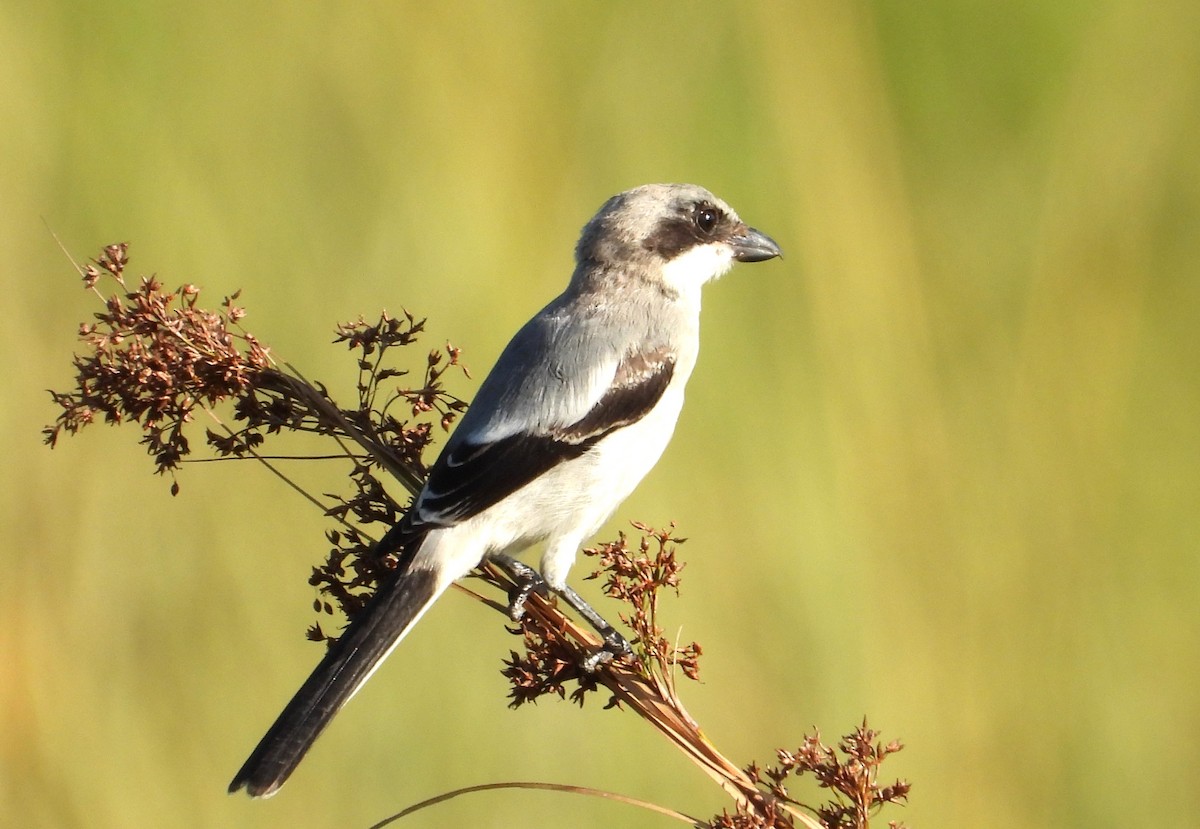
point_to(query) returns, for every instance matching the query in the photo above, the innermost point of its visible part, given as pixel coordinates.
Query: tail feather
(350, 661)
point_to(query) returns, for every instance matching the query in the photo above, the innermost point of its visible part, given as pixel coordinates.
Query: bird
(576, 411)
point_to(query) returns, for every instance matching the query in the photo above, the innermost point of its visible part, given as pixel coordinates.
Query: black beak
(751, 245)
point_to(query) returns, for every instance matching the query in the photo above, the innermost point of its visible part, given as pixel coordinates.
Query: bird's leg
(527, 580)
(615, 644)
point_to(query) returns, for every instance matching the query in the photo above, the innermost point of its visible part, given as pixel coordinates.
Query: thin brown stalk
(547, 787)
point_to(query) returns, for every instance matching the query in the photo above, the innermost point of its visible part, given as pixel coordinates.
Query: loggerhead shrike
(576, 411)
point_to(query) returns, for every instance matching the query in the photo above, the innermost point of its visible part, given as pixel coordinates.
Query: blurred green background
(939, 466)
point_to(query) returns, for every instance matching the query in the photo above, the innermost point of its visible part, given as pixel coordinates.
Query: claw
(615, 646)
(601, 657)
(520, 594)
(528, 581)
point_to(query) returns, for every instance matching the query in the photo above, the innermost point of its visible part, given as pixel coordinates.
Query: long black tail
(366, 642)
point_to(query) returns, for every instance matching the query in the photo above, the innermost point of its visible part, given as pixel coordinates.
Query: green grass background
(939, 466)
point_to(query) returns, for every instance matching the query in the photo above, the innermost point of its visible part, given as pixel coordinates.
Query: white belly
(564, 506)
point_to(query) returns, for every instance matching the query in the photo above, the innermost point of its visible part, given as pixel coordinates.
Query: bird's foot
(527, 581)
(520, 594)
(615, 646)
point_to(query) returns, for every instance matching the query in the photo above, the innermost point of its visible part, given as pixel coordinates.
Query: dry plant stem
(654, 700)
(548, 787)
(274, 470)
(309, 393)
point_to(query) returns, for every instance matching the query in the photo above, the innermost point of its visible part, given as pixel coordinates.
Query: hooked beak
(750, 245)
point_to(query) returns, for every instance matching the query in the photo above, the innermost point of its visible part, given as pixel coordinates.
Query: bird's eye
(706, 219)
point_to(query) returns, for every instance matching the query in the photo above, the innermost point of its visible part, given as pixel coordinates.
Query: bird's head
(680, 232)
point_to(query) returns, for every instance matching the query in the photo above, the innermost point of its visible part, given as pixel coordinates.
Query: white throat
(703, 263)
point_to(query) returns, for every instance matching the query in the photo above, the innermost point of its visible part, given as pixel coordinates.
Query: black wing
(471, 477)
